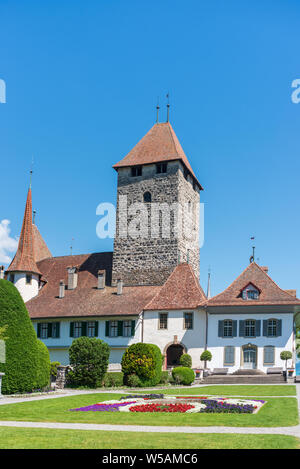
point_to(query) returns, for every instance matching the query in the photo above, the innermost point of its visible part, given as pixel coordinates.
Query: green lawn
(37, 438)
(276, 412)
(227, 390)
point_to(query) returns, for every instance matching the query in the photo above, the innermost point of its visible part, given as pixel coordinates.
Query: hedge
(144, 361)
(183, 375)
(43, 366)
(21, 345)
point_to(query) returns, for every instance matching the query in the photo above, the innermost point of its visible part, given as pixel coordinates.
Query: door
(249, 358)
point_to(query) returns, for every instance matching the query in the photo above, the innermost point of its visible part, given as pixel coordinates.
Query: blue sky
(82, 83)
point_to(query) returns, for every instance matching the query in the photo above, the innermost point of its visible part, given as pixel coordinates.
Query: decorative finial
(71, 247)
(252, 258)
(208, 285)
(31, 171)
(157, 110)
(168, 107)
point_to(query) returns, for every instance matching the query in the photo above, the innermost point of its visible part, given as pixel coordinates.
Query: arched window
(147, 197)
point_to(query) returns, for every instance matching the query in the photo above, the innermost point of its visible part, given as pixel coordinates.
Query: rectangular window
(44, 330)
(161, 168)
(227, 325)
(229, 355)
(163, 321)
(188, 320)
(77, 329)
(113, 328)
(136, 171)
(28, 279)
(269, 355)
(91, 329)
(126, 328)
(250, 328)
(272, 328)
(12, 278)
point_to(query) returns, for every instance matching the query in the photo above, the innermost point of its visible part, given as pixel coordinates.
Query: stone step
(243, 379)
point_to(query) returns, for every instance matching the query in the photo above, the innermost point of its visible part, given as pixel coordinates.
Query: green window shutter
(265, 328)
(49, 331)
(57, 335)
(71, 329)
(96, 328)
(269, 355)
(229, 356)
(39, 330)
(83, 329)
(221, 329)
(257, 328)
(106, 328)
(279, 327)
(120, 328)
(234, 328)
(132, 328)
(242, 328)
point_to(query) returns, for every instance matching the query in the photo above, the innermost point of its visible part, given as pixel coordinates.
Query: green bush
(186, 360)
(165, 378)
(22, 350)
(53, 369)
(183, 375)
(133, 381)
(43, 366)
(206, 356)
(89, 361)
(113, 379)
(143, 360)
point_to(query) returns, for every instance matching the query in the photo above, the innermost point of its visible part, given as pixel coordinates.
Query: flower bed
(194, 404)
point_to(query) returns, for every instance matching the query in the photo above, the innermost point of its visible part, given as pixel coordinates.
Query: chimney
(1, 271)
(265, 269)
(72, 278)
(101, 279)
(119, 287)
(61, 289)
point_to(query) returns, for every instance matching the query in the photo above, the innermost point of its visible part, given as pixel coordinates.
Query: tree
(286, 355)
(89, 359)
(206, 356)
(20, 366)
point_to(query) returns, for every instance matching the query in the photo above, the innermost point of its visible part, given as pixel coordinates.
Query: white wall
(192, 339)
(216, 344)
(27, 291)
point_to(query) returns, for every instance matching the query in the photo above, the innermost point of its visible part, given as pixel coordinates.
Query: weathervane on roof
(208, 284)
(157, 110)
(71, 247)
(252, 258)
(34, 214)
(30, 172)
(168, 107)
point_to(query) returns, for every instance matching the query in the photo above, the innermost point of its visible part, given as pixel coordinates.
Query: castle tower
(23, 270)
(157, 225)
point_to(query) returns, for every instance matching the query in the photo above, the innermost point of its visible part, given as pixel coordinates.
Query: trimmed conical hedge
(22, 352)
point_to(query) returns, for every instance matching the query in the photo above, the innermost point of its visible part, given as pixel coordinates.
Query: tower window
(161, 168)
(147, 197)
(12, 278)
(136, 171)
(163, 321)
(28, 279)
(186, 173)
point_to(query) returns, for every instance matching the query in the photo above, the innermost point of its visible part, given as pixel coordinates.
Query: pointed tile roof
(160, 144)
(181, 291)
(270, 292)
(41, 250)
(24, 260)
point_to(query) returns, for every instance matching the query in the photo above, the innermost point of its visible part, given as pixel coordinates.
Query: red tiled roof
(41, 250)
(160, 144)
(270, 292)
(85, 299)
(24, 260)
(181, 291)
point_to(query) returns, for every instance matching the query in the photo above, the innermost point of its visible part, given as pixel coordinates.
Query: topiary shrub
(21, 346)
(286, 355)
(43, 367)
(89, 361)
(186, 360)
(113, 379)
(183, 375)
(205, 357)
(143, 360)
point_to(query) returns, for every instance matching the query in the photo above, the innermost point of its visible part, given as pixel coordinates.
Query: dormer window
(136, 171)
(250, 292)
